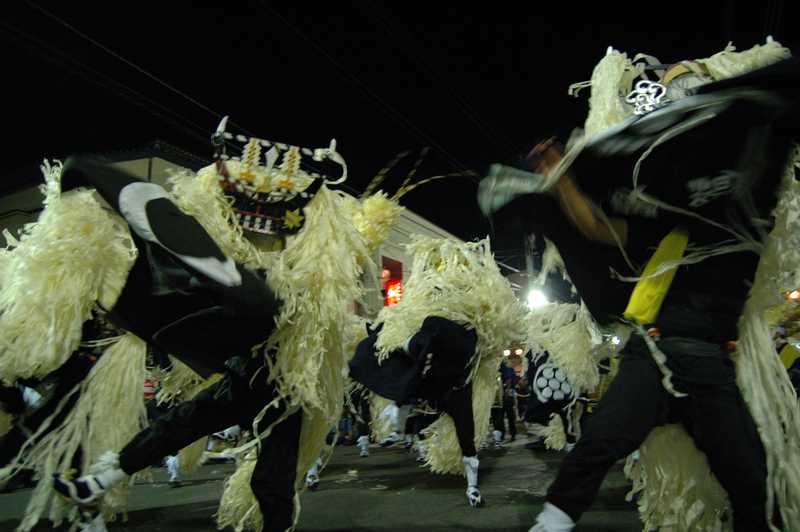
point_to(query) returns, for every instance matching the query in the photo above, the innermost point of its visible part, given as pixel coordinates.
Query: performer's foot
(552, 519)
(91, 520)
(363, 446)
(312, 481)
(102, 476)
(498, 439)
(422, 452)
(83, 490)
(391, 440)
(471, 464)
(173, 469)
(474, 497)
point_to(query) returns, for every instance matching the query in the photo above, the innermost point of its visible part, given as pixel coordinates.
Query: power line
(498, 139)
(394, 113)
(730, 15)
(772, 17)
(51, 54)
(131, 64)
(776, 29)
(218, 115)
(121, 89)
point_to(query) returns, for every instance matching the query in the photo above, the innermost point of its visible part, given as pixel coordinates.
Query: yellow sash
(649, 293)
(788, 355)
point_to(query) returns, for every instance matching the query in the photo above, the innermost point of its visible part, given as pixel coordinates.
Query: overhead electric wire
(52, 16)
(202, 133)
(119, 57)
(499, 139)
(397, 115)
(391, 110)
(772, 17)
(776, 29)
(51, 54)
(730, 16)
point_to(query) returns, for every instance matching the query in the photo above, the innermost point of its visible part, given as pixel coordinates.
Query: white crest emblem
(647, 96)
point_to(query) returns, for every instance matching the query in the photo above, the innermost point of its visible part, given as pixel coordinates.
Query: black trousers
(564, 414)
(228, 402)
(360, 403)
(497, 419)
(457, 404)
(510, 413)
(69, 375)
(522, 406)
(502, 413)
(715, 415)
(416, 424)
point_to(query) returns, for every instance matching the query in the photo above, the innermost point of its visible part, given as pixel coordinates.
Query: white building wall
(18, 209)
(23, 206)
(410, 223)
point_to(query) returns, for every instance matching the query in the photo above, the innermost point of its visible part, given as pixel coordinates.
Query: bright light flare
(536, 299)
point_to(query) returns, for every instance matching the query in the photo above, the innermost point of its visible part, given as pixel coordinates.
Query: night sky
(476, 84)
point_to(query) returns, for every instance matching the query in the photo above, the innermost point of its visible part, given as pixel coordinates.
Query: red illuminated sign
(394, 292)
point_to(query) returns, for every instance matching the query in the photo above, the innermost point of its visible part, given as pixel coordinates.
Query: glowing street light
(536, 299)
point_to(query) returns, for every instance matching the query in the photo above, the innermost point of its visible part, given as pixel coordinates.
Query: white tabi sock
(471, 464)
(553, 519)
(110, 477)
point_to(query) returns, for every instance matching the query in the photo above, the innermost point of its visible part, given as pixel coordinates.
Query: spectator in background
(794, 376)
(523, 396)
(510, 381)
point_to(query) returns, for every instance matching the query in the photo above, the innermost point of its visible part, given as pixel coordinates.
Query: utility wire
(204, 136)
(391, 110)
(53, 55)
(131, 64)
(453, 160)
(498, 139)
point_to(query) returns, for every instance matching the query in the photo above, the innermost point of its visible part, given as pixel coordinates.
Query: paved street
(386, 492)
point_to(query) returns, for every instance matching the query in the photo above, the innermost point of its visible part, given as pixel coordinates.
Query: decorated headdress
(268, 194)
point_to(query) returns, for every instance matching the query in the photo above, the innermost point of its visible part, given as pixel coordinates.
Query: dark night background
(476, 83)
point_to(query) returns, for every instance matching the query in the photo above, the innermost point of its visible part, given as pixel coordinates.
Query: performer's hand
(549, 155)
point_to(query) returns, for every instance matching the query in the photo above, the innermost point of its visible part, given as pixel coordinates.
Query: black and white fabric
(183, 295)
(718, 153)
(549, 382)
(438, 360)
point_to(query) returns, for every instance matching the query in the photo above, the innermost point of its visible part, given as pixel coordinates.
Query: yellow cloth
(649, 292)
(789, 354)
